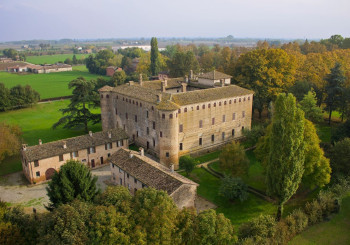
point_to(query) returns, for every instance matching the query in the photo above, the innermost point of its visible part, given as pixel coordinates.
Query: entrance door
(101, 159)
(92, 163)
(49, 173)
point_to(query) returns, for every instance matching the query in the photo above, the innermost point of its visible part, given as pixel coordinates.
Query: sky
(85, 19)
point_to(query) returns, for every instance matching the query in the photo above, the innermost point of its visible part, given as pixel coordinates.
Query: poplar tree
(286, 156)
(155, 66)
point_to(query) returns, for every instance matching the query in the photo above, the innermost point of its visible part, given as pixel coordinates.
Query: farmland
(51, 59)
(48, 85)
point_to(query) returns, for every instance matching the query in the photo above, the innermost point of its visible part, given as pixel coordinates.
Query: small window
(197, 107)
(137, 103)
(129, 187)
(230, 102)
(225, 102)
(180, 146)
(244, 99)
(101, 96)
(140, 104)
(200, 124)
(135, 118)
(233, 116)
(214, 104)
(170, 116)
(200, 141)
(92, 150)
(212, 138)
(135, 180)
(223, 135)
(163, 116)
(147, 130)
(75, 154)
(233, 132)
(147, 114)
(133, 102)
(137, 134)
(213, 121)
(248, 97)
(107, 96)
(123, 98)
(37, 174)
(220, 103)
(235, 101)
(154, 125)
(154, 142)
(161, 134)
(185, 110)
(208, 105)
(243, 114)
(181, 128)
(223, 118)
(116, 111)
(240, 99)
(143, 185)
(121, 181)
(203, 106)
(109, 155)
(36, 163)
(60, 158)
(179, 111)
(127, 176)
(126, 115)
(167, 154)
(152, 108)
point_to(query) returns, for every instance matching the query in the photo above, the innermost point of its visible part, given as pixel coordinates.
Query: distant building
(17, 68)
(172, 118)
(40, 162)
(136, 171)
(214, 78)
(51, 68)
(110, 70)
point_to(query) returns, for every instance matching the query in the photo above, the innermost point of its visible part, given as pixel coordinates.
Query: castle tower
(107, 110)
(168, 138)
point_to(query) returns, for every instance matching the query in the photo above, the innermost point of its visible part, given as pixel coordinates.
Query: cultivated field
(36, 123)
(51, 59)
(48, 85)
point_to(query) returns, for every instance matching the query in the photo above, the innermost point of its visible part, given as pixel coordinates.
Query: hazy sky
(48, 19)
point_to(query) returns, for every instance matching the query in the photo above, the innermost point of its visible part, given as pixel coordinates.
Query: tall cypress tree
(155, 66)
(286, 157)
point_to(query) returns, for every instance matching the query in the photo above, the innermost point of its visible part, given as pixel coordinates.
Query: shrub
(187, 163)
(314, 210)
(252, 136)
(233, 188)
(263, 226)
(282, 234)
(297, 221)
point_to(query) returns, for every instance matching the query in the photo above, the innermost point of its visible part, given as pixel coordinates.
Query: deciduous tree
(233, 188)
(233, 159)
(309, 106)
(187, 163)
(10, 142)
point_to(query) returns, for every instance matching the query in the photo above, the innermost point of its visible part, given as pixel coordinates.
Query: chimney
(24, 147)
(90, 133)
(191, 74)
(163, 86)
(159, 97)
(64, 145)
(109, 134)
(140, 79)
(183, 87)
(142, 151)
(40, 142)
(172, 168)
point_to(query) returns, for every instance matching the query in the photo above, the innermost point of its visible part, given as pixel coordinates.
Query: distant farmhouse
(40, 162)
(39, 68)
(110, 70)
(175, 117)
(136, 171)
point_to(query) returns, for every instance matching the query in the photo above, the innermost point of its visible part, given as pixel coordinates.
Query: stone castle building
(40, 162)
(136, 171)
(178, 116)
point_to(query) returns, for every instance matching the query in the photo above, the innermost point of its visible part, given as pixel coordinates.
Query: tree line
(17, 97)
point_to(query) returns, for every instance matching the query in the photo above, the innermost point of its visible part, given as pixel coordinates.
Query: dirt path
(14, 189)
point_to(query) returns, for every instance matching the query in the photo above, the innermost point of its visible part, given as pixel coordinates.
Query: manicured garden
(52, 59)
(48, 85)
(36, 123)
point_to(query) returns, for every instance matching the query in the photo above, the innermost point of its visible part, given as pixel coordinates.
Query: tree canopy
(10, 142)
(155, 66)
(234, 160)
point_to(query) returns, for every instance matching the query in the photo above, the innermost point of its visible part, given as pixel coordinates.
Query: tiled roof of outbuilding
(55, 148)
(149, 172)
(214, 75)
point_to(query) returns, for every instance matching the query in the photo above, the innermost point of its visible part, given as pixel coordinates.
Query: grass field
(333, 232)
(238, 212)
(48, 85)
(51, 59)
(36, 123)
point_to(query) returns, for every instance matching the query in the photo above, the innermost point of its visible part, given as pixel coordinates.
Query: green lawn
(208, 157)
(51, 59)
(48, 85)
(36, 123)
(324, 132)
(333, 232)
(237, 212)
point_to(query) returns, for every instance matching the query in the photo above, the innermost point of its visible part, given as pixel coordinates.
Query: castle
(178, 116)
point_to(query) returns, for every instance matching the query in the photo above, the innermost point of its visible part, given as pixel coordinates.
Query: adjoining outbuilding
(40, 162)
(135, 171)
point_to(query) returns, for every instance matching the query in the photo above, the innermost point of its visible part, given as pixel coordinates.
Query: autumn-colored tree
(234, 160)
(266, 71)
(10, 142)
